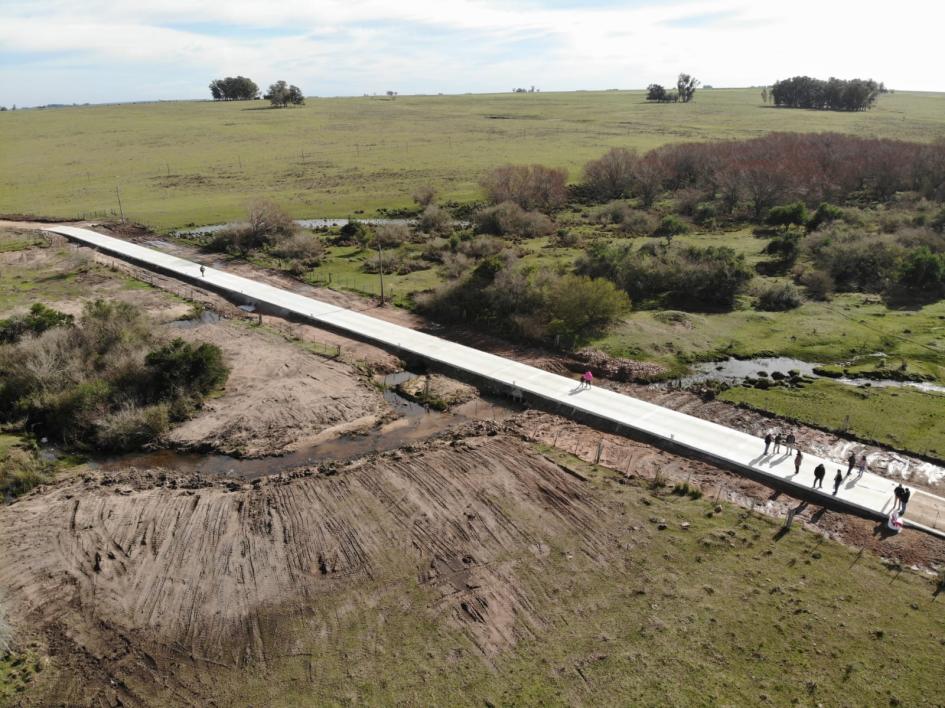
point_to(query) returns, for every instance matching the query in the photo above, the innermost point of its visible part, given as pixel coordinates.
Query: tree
(234, 88)
(529, 186)
(655, 92)
(611, 175)
(833, 95)
(281, 94)
(686, 86)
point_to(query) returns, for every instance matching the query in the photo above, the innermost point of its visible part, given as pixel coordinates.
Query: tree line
(833, 94)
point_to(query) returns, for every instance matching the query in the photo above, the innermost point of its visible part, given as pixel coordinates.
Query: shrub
(354, 233)
(700, 277)
(266, 221)
(612, 213)
(638, 223)
(923, 271)
(131, 427)
(786, 247)
(20, 471)
(705, 213)
(302, 247)
(825, 214)
(390, 235)
(819, 285)
(529, 186)
(778, 297)
(670, 226)
(482, 246)
(435, 221)
(788, 215)
(38, 320)
(577, 306)
(179, 367)
(424, 196)
(509, 219)
(611, 175)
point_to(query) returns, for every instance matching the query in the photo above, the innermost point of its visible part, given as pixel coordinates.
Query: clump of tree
(752, 176)
(281, 94)
(685, 90)
(682, 276)
(530, 186)
(512, 299)
(833, 94)
(107, 382)
(659, 94)
(234, 88)
(612, 175)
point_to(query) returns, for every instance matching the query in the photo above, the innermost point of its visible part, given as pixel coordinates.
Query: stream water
(414, 423)
(304, 223)
(735, 371)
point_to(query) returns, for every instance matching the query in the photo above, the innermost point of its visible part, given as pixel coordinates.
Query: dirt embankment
(142, 586)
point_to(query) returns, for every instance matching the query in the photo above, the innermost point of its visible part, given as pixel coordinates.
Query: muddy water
(414, 424)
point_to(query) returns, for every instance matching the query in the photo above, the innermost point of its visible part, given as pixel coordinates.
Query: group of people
(779, 439)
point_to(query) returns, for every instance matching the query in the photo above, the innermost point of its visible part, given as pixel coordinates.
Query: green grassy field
(903, 419)
(178, 163)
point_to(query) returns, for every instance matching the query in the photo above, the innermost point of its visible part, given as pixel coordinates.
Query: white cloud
(337, 46)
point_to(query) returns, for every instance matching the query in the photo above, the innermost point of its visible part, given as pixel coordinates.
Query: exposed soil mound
(142, 578)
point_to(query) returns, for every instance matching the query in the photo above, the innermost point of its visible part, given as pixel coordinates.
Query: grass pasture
(178, 163)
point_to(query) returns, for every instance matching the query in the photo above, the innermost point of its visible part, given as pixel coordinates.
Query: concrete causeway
(868, 494)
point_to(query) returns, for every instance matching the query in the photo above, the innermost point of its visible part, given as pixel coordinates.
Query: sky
(97, 51)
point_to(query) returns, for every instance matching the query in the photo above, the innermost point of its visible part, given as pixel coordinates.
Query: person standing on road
(851, 461)
(862, 465)
(768, 440)
(790, 441)
(778, 439)
(837, 481)
(903, 500)
(898, 493)
(819, 473)
(203, 272)
(797, 462)
(586, 378)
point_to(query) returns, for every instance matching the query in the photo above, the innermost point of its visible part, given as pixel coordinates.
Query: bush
(266, 221)
(424, 196)
(856, 262)
(612, 175)
(778, 298)
(38, 320)
(788, 215)
(819, 284)
(700, 277)
(529, 186)
(435, 221)
(305, 248)
(786, 247)
(577, 306)
(482, 246)
(20, 471)
(180, 368)
(131, 427)
(825, 214)
(390, 235)
(670, 226)
(509, 219)
(923, 271)
(354, 233)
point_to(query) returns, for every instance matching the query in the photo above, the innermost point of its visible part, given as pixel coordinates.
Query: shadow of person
(758, 459)
(779, 460)
(576, 389)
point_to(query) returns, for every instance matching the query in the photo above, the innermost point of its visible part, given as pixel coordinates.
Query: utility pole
(120, 210)
(380, 266)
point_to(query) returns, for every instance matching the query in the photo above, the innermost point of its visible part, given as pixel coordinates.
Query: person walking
(203, 272)
(898, 493)
(768, 440)
(790, 441)
(862, 466)
(837, 481)
(586, 378)
(778, 439)
(903, 500)
(797, 462)
(819, 473)
(851, 461)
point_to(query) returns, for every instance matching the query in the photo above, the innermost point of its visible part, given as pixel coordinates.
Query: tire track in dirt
(143, 580)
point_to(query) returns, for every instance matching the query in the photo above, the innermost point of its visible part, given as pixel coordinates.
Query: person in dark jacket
(789, 442)
(767, 442)
(778, 439)
(819, 473)
(797, 462)
(851, 462)
(903, 500)
(837, 481)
